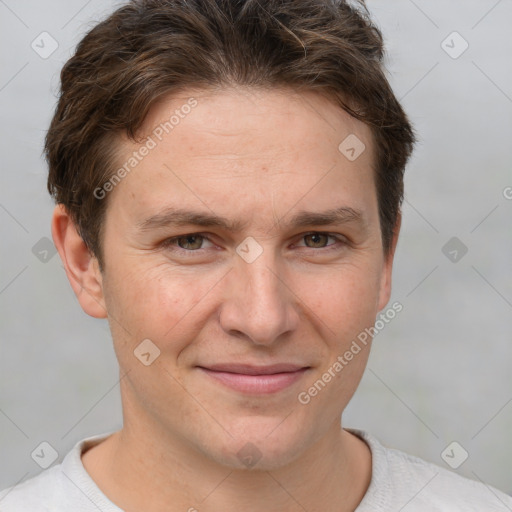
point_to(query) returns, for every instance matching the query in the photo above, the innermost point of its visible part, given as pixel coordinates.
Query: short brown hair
(150, 48)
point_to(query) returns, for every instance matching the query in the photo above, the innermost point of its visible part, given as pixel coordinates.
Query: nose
(259, 303)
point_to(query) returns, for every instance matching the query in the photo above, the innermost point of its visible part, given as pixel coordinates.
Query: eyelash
(169, 242)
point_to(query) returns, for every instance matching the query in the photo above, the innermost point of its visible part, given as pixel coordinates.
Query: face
(247, 248)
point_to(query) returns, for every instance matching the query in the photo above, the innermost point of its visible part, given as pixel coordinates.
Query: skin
(257, 156)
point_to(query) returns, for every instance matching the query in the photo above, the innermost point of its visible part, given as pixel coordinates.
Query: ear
(80, 265)
(385, 285)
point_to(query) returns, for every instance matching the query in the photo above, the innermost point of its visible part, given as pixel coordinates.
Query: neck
(332, 475)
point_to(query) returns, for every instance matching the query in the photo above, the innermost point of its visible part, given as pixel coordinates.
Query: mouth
(255, 379)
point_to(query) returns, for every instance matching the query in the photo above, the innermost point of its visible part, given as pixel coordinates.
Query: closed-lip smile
(254, 379)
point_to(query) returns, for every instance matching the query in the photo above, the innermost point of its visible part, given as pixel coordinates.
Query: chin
(262, 445)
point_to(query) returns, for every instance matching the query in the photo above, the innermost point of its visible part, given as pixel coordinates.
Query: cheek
(345, 300)
(346, 307)
(158, 303)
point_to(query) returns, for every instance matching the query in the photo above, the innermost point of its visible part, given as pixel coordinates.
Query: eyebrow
(178, 217)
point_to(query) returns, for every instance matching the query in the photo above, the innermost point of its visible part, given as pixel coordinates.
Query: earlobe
(80, 265)
(385, 287)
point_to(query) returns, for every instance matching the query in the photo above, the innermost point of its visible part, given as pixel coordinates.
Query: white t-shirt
(399, 482)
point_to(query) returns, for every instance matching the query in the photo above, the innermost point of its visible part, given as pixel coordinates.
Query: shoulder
(34, 494)
(60, 488)
(404, 482)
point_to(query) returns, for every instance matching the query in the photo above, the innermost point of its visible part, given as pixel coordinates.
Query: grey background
(439, 372)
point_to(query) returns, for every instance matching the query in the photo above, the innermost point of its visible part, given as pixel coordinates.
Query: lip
(255, 379)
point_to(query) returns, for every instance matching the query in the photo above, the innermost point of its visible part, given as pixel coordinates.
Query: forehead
(208, 145)
(276, 118)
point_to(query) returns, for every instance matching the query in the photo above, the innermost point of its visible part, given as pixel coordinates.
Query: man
(228, 178)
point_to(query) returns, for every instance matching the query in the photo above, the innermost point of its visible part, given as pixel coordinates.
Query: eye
(191, 242)
(319, 239)
(194, 242)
